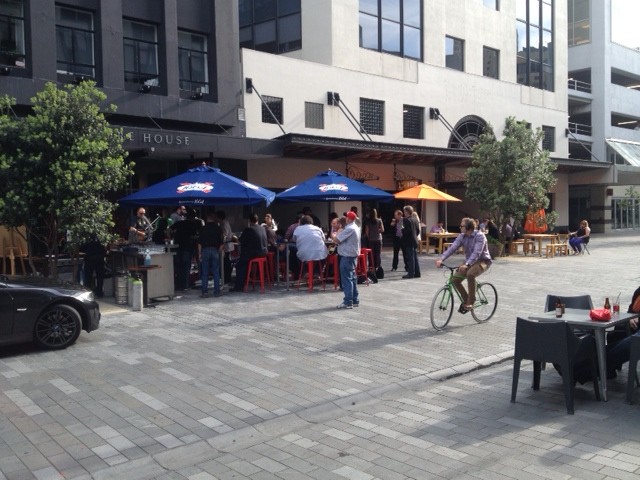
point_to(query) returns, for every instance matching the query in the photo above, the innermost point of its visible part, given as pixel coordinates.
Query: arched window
(469, 129)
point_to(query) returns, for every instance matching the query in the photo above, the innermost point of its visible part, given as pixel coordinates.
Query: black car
(48, 312)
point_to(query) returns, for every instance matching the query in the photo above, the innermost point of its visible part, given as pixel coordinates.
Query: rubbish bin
(121, 286)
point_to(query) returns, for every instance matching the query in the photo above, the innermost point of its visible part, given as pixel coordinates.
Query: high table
(539, 237)
(441, 237)
(578, 318)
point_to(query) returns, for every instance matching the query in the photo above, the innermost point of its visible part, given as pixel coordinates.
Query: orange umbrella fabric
(425, 192)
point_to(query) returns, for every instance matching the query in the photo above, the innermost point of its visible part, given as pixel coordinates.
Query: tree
(512, 176)
(59, 164)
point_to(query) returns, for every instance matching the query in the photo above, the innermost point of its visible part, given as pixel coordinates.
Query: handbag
(600, 314)
(380, 272)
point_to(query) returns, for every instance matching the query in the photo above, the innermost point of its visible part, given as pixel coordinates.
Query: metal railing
(579, 86)
(579, 129)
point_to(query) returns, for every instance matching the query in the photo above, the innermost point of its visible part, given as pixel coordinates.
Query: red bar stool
(371, 267)
(310, 264)
(331, 262)
(257, 269)
(361, 267)
(271, 263)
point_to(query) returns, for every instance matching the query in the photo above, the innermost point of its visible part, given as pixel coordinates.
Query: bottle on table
(558, 308)
(607, 305)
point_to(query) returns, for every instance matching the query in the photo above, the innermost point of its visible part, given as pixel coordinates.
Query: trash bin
(121, 285)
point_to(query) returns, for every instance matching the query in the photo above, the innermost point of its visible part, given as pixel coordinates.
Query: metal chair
(553, 342)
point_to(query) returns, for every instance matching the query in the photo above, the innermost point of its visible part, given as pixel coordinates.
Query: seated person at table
(309, 241)
(437, 227)
(579, 237)
(253, 243)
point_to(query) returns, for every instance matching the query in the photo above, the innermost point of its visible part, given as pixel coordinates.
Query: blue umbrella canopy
(332, 186)
(202, 185)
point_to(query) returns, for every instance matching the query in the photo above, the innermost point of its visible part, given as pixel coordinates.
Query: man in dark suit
(409, 241)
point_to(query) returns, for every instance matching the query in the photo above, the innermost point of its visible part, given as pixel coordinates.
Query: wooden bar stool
(310, 267)
(257, 270)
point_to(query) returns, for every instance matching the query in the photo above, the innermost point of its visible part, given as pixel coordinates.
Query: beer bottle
(607, 305)
(558, 308)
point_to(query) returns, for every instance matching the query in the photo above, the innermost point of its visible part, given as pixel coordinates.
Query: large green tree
(58, 166)
(511, 176)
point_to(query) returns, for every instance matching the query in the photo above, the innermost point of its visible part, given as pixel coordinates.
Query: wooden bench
(528, 246)
(554, 249)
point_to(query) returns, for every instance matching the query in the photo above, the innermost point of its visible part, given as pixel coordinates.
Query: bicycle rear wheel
(486, 302)
(441, 308)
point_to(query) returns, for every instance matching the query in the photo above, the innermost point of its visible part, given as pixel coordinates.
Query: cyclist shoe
(462, 309)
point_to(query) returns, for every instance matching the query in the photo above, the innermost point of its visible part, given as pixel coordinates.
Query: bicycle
(443, 302)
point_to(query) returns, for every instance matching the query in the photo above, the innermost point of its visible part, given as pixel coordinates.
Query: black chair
(584, 246)
(553, 342)
(634, 357)
(581, 301)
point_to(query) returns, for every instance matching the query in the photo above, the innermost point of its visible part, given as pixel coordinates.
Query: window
(454, 53)
(490, 62)
(413, 122)
(192, 58)
(493, 4)
(392, 26)
(272, 105)
(372, 116)
(534, 43)
(272, 26)
(12, 51)
(313, 115)
(140, 53)
(549, 138)
(74, 41)
(579, 22)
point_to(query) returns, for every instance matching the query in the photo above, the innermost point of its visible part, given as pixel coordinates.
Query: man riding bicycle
(477, 260)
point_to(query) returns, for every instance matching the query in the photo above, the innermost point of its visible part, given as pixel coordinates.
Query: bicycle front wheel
(486, 302)
(441, 308)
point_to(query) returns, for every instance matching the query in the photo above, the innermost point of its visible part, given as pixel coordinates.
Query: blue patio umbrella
(332, 186)
(202, 185)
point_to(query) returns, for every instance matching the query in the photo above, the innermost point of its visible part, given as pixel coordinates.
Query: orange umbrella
(425, 192)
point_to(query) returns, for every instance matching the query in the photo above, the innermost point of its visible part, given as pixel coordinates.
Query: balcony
(579, 129)
(579, 86)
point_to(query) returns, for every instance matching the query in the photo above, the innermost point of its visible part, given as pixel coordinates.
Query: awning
(629, 151)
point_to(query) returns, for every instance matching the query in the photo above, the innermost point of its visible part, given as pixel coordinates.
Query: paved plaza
(281, 385)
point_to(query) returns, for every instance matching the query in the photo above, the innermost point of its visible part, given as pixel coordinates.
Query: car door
(6, 313)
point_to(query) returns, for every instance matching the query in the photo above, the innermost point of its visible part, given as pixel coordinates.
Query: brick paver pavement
(282, 385)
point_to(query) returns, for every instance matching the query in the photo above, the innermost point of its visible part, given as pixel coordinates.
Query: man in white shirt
(309, 241)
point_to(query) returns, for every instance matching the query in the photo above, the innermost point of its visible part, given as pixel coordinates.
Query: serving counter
(158, 281)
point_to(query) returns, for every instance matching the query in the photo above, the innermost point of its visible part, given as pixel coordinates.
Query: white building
(403, 69)
(604, 109)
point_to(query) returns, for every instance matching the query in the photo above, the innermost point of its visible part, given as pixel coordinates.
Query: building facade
(604, 110)
(390, 92)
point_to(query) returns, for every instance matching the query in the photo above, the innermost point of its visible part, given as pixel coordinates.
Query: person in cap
(348, 242)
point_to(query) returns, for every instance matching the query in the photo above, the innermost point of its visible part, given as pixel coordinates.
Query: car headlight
(87, 296)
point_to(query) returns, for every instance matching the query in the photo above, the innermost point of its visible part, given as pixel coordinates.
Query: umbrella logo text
(327, 187)
(195, 187)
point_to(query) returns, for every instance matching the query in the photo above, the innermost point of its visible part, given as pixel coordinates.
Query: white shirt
(310, 243)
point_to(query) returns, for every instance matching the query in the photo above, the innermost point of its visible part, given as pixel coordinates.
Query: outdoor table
(441, 237)
(539, 237)
(577, 318)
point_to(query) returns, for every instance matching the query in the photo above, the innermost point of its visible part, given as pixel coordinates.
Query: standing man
(210, 244)
(348, 241)
(179, 215)
(185, 235)
(229, 246)
(253, 243)
(410, 232)
(396, 224)
(141, 228)
(476, 260)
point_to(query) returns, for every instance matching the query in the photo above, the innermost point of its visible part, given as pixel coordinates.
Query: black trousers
(397, 246)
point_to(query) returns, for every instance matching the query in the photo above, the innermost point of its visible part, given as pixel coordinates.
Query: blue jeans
(210, 263)
(349, 280)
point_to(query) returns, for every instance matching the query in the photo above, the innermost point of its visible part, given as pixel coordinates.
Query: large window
(192, 58)
(272, 26)
(12, 33)
(490, 62)
(412, 122)
(579, 22)
(140, 53)
(392, 26)
(313, 115)
(454, 53)
(549, 138)
(372, 116)
(272, 105)
(534, 42)
(74, 41)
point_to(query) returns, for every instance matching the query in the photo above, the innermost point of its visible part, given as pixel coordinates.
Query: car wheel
(57, 328)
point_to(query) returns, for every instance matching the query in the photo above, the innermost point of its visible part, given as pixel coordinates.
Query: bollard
(137, 302)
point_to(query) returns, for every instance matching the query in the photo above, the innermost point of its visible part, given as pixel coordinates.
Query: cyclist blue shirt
(475, 248)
